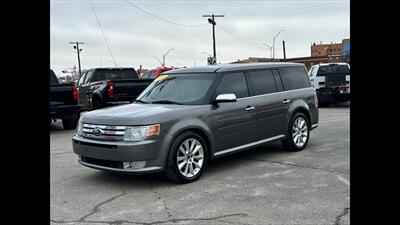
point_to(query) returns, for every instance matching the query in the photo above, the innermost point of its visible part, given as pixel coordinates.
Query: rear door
(235, 123)
(80, 91)
(270, 102)
(83, 89)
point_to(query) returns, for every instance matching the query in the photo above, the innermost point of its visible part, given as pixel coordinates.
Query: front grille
(103, 132)
(102, 162)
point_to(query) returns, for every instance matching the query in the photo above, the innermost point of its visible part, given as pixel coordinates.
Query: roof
(232, 67)
(327, 64)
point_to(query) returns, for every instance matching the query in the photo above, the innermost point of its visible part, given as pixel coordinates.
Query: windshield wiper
(166, 102)
(141, 101)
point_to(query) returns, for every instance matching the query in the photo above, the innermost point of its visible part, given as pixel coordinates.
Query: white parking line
(343, 180)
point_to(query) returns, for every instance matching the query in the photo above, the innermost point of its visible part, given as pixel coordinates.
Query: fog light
(134, 165)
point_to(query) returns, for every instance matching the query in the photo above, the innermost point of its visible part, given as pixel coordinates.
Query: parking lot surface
(265, 185)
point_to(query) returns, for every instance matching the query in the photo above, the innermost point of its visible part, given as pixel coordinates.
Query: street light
(158, 60)
(270, 48)
(206, 53)
(273, 44)
(163, 63)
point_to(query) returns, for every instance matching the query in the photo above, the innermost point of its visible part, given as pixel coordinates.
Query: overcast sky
(135, 37)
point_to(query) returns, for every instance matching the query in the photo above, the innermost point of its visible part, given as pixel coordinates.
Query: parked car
(189, 116)
(63, 102)
(152, 74)
(331, 82)
(101, 87)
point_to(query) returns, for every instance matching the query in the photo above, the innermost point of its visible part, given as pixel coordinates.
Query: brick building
(326, 49)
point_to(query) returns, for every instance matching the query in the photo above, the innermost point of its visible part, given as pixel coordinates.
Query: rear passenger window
(294, 78)
(233, 83)
(152, 74)
(262, 82)
(278, 81)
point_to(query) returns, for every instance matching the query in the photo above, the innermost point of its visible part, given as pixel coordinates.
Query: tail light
(110, 90)
(75, 94)
(344, 89)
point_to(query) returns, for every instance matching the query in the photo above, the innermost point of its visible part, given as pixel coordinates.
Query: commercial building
(321, 49)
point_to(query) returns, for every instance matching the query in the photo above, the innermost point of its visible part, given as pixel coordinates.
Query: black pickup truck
(101, 87)
(63, 102)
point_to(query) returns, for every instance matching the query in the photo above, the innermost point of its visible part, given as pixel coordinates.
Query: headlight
(141, 132)
(80, 128)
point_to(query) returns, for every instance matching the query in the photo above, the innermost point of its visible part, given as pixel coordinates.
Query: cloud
(136, 37)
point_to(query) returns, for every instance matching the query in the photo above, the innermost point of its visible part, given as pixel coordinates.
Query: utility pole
(213, 23)
(284, 51)
(78, 50)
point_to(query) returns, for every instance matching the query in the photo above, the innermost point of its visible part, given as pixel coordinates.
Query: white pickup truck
(331, 82)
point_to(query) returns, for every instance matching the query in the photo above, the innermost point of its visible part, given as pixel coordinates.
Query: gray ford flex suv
(187, 117)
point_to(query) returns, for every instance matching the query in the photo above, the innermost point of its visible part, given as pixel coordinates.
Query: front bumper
(110, 155)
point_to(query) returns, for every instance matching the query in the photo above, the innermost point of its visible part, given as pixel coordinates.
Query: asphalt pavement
(265, 185)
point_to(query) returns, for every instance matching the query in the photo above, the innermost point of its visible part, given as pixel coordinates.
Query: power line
(104, 36)
(238, 38)
(165, 20)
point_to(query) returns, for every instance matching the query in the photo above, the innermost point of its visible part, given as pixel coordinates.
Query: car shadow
(224, 164)
(336, 105)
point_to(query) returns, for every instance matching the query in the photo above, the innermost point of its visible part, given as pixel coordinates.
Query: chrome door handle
(286, 101)
(250, 108)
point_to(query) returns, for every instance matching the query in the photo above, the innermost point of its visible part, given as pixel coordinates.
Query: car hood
(132, 114)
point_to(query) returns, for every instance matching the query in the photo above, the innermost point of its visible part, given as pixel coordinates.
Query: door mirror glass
(225, 98)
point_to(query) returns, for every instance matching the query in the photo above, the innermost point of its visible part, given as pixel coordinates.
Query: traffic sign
(211, 60)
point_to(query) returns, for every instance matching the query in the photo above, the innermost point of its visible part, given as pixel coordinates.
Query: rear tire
(71, 121)
(187, 158)
(96, 104)
(298, 133)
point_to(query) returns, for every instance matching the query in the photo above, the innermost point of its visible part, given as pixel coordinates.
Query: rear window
(53, 78)
(115, 74)
(333, 69)
(294, 78)
(262, 82)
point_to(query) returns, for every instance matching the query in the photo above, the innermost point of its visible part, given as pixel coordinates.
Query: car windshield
(190, 89)
(333, 69)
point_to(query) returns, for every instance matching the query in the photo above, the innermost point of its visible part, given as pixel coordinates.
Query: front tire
(298, 133)
(187, 158)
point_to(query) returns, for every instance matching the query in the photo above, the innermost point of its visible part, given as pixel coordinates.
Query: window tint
(185, 89)
(262, 82)
(233, 83)
(294, 78)
(88, 76)
(53, 78)
(152, 74)
(333, 69)
(146, 75)
(80, 82)
(114, 74)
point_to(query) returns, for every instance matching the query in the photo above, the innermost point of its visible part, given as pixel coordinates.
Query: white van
(331, 82)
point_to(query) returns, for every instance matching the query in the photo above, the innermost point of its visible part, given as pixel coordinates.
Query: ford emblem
(97, 131)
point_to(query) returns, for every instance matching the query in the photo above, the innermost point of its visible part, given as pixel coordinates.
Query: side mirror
(225, 98)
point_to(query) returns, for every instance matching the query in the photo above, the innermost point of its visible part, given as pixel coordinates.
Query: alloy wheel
(190, 157)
